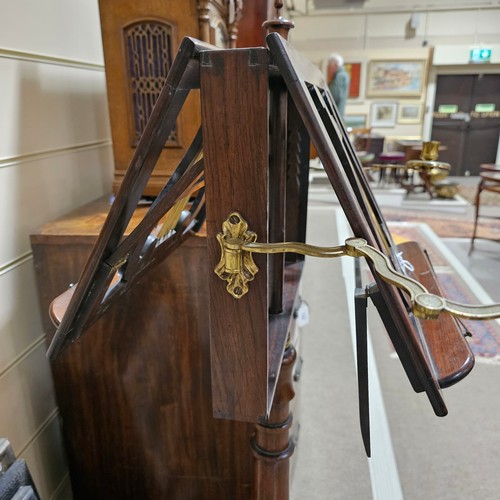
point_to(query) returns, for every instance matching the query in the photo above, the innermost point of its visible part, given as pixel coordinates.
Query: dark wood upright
(273, 443)
(247, 166)
(239, 148)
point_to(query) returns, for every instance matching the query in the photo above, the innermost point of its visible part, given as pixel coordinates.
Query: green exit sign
(480, 55)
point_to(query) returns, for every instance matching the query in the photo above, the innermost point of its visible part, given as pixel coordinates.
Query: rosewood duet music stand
(260, 108)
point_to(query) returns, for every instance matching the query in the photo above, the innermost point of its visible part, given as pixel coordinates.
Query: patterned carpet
(469, 193)
(457, 284)
(445, 225)
(453, 225)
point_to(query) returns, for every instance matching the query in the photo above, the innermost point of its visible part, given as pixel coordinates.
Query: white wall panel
(20, 325)
(27, 397)
(339, 26)
(45, 106)
(379, 28)
(463, 22)
(401, 5)
(55, 155)
(392, 25)
(48, 475)
(68, 29)
(446, 55)
(37, 191)
(488, 21)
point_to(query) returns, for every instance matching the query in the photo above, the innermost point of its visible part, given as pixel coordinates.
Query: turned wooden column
(272, 444)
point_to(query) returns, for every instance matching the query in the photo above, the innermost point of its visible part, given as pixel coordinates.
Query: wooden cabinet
(140, 40)
(134, 393)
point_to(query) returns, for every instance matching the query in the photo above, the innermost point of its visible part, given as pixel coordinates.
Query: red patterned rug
(457, 284)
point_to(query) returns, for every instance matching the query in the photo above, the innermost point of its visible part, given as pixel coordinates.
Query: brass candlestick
(434, 172)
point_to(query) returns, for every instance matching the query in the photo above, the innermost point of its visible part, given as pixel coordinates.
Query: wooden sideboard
(134, 393)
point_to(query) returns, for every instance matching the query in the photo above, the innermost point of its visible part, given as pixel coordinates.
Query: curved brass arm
(424, 304)
(294, 247)
(237, 267)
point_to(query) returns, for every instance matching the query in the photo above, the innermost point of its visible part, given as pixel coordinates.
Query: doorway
(466, 120)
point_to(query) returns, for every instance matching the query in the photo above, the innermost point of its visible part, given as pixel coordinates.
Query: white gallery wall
(392, 30)
(55, 155)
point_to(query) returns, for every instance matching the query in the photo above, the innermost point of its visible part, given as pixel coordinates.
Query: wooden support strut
(272, 444)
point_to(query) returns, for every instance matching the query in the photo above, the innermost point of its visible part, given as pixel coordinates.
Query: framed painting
(383, 114)
(396, 78)
(410, 112)
(354, 71)
(355, 121)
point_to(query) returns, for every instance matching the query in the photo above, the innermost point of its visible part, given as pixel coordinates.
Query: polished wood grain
(445, 336)
(135, 392)
(235, 116)
(251, 32)
(273, 444)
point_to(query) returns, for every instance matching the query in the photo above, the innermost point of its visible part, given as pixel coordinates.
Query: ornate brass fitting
(237, 267)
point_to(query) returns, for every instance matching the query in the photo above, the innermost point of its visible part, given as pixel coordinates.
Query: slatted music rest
(430, 361)
(116, 261)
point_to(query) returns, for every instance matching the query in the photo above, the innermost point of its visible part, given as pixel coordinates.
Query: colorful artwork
(355, 121)
(395, 78)
(383, 114)
(410, 112)
(354, 71)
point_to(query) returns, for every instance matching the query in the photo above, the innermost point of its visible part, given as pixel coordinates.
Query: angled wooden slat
(108, 256)
(427, 366)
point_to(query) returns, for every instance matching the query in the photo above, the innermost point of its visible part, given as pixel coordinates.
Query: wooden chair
(389, 162)
(360, 138)
(490, 182)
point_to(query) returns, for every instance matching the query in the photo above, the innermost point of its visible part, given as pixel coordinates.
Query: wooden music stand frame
(260, 108)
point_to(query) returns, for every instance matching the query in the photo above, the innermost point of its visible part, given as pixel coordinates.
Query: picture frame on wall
(410, 112)
(383, 114)
(355, 121)
(405, 78)
(354, 71)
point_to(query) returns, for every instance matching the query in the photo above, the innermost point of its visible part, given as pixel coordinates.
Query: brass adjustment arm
(237, 267)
